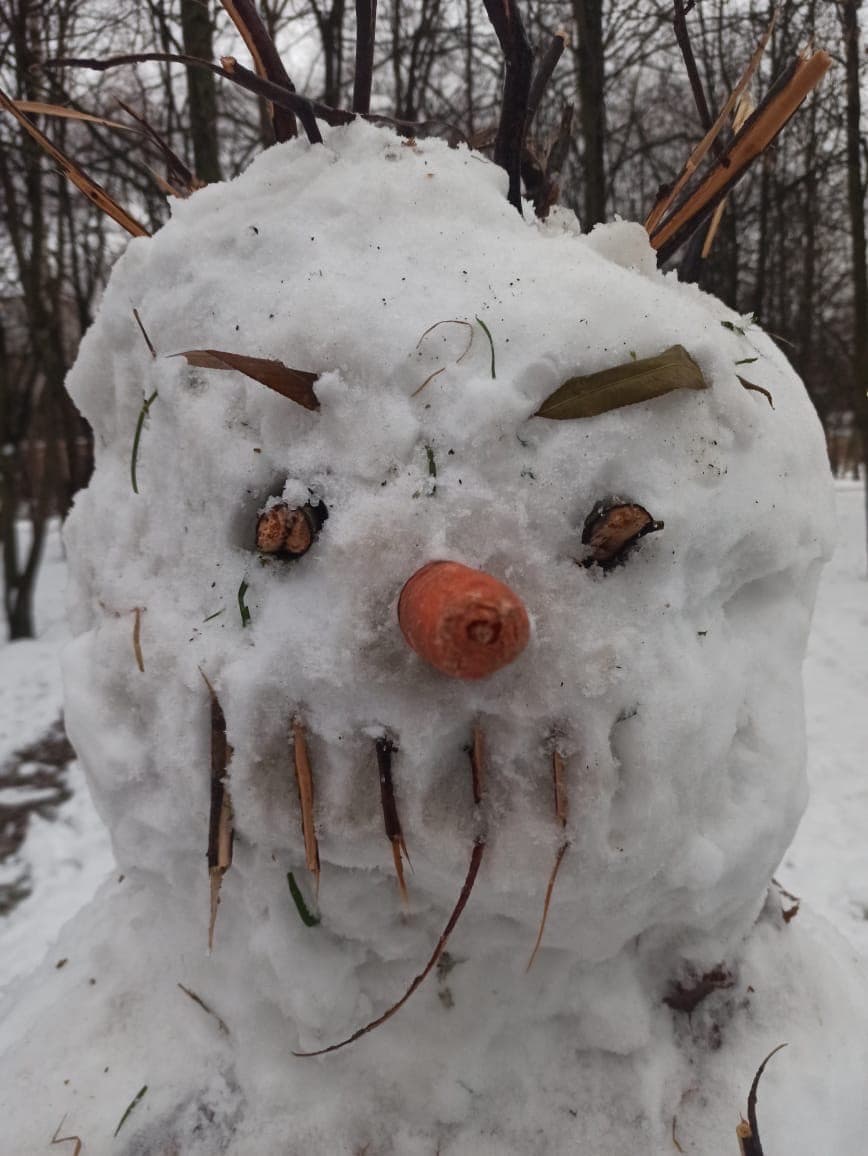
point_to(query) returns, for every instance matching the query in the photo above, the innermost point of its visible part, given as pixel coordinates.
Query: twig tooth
(220, 830)
(144, 333)
(385, 748)
(137, 638)
(472, 872)
(559, 858)
(560, 785)
(561, 813)
(477, 764)
(397, 850)
(304, 778)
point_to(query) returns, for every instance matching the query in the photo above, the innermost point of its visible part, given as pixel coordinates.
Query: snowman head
(632, 699)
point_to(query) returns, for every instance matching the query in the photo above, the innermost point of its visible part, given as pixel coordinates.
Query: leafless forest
(622, 91)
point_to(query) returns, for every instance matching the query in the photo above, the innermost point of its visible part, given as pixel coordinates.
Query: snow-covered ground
(63, 859)
(827, 864)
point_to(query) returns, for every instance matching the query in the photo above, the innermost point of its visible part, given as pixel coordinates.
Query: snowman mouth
(385, 749)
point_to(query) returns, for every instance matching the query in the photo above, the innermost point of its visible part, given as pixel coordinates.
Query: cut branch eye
(284, 531)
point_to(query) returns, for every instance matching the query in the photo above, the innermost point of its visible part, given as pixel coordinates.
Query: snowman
(438, 675)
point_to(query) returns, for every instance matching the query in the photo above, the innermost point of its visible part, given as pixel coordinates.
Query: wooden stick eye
(285, 531)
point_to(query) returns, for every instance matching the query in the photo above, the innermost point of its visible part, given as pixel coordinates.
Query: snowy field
(66, 858)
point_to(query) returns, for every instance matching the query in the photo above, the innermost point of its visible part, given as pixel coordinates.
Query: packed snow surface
(670, 686)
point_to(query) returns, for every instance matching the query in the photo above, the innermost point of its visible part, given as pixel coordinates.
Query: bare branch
(366, 23)
(266, 61)
(508, 147)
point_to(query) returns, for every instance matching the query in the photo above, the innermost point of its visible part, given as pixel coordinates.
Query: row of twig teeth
(221, 833)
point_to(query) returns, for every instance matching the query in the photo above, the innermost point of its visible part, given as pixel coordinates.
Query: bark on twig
(94, 192)
(205, 1008)
(137, 639)
(477, 765)
(307, 110)
(184, 180)
(477, 777)
(229, 69)
(144, 333)
(543, 74)
(759, 131)
(679, 21)
(667, 195)
(304, 779)
(76, 1140)
(366, 23)
(747, 1131)
(220, 830)
(266, 61)
(509, 145)
(561, 814)
(385, 748)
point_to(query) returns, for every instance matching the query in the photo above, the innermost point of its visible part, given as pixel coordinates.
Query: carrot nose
(464, 622)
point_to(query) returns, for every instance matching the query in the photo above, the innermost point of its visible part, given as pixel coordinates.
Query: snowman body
(667, 689)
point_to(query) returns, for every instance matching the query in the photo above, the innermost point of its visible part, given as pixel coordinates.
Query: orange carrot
(464, 622)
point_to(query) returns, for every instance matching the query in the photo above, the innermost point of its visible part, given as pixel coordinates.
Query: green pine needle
(138, 1096)
(242, 605)
(304, 913)
(143, 413)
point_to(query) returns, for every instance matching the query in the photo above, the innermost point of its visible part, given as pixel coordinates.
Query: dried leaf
(625, 384)
(295, 384)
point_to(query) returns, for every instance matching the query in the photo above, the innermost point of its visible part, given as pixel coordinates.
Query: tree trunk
(592, 121)
(198, 33)
(848, 11)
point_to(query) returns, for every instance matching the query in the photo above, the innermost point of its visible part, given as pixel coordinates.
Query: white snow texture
(671, 686)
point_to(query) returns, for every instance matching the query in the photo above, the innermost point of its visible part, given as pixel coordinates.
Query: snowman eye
(284, 531)
(612, 528)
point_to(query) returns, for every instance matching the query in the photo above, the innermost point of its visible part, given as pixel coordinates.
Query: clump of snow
(671, 686)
